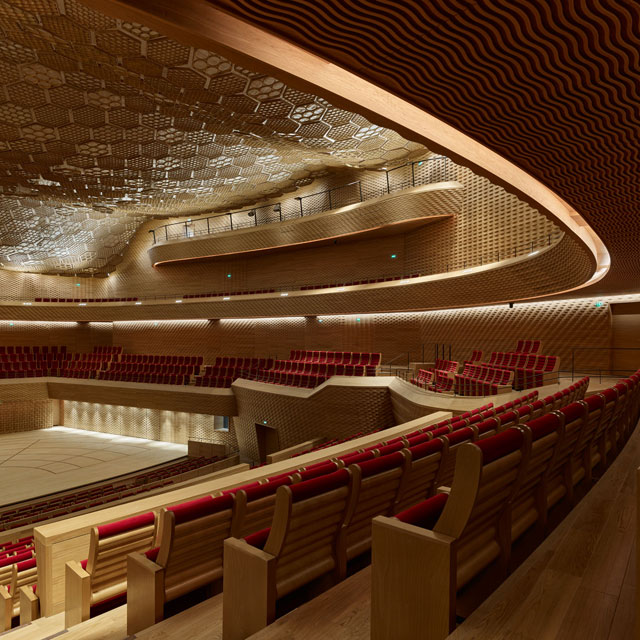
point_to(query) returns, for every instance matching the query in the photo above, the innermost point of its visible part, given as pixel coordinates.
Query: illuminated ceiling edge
(199, 23)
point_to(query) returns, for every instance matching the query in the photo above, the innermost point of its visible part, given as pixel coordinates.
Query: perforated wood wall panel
(152, 424)
(489, 223)
(390, 209)
(77, 336)
(559, 324)
(27, 416)
(331, 412)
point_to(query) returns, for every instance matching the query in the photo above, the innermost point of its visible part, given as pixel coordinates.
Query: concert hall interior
(319, 319)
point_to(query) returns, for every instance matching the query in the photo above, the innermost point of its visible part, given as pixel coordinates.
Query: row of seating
(306, 380)
(243, 363)
(529, 346)
(352, 283)
(503, 487)
(152, 378)
(111, 349)
(336, 357)
(300, 547)
(228, 293)
(330, 443)
(424, 379)
(532, 370)
(17, 569)
(160, 359)
(66, 503)
(78, 300)
(223, 382)
(323, 368)
(246, 511)
(478, 380)
(131, 367)
(248, 292)
(475, 358)
(446, 366)
(33, 349)
(231, 372)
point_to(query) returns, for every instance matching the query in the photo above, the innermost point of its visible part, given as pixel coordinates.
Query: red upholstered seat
(426, 513)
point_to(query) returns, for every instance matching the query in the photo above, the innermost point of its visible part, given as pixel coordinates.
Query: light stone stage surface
(35, 463)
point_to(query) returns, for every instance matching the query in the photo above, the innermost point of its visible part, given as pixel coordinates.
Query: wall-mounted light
(284, 295)
(138, 302)
(393, 256)
(226, 298)
(178, 301)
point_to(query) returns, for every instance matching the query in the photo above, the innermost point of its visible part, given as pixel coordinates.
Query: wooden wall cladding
(219, 402)
(151, 424)
(76, 335)
(28, 415)
(488, 222)
(410, 204)
(560, 324)
(333, 411)
(521, 279)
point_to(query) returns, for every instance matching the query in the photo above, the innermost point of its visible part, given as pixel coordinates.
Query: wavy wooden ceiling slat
(552, 86)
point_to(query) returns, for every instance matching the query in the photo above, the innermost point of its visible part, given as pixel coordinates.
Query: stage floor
(35, 463)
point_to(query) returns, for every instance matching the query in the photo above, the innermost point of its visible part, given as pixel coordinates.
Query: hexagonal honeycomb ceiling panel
(105, 122)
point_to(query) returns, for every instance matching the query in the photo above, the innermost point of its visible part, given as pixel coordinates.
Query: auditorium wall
(78, 336)
(561, 325)
(489, 223)
(332, 412)
(151, 424)
(25, 407)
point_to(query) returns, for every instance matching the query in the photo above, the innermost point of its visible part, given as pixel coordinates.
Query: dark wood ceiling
(551, 86)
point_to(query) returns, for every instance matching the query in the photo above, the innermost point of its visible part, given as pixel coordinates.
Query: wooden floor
(47, 460)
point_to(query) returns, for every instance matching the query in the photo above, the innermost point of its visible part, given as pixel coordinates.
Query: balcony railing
(413, 174)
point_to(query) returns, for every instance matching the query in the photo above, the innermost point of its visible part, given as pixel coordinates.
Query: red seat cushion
(259, 538)
(543, 426)
(311, 488)
(425, 514)
(128, 524)
(500, 445)
(201, 507)
(426, 449)
(381, 464)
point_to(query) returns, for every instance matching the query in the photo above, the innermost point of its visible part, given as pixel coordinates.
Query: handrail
(263, 214)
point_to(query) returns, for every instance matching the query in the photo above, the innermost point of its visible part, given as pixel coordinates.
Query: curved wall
(488, 221)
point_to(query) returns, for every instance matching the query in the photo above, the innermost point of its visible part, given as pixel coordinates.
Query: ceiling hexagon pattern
(105, 122)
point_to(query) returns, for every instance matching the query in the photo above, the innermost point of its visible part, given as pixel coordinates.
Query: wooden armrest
(145, 593)
(77, 599)
(6, 608)
(443, 489)
(411, 566)
(249, 602)
(29, 605)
